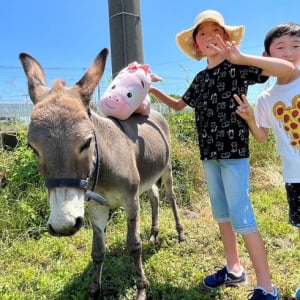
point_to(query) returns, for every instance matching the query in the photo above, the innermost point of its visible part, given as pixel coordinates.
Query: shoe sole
(228, 284)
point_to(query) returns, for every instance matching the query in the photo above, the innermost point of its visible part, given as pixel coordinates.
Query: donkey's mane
(58, 84)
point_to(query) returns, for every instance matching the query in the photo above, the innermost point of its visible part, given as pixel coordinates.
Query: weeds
(34, 265)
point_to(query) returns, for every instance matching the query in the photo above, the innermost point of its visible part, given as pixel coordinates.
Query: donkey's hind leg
(167, 181)
(153, 195)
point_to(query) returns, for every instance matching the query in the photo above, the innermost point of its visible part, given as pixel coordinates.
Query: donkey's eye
(86, 145)
(129, 95)
(33, 149)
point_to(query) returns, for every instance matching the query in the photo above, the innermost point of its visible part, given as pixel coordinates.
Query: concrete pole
(125, 33)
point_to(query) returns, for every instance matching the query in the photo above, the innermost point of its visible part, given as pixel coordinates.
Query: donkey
(74, 144)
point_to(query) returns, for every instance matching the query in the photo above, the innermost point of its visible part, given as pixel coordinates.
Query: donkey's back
(137, 148)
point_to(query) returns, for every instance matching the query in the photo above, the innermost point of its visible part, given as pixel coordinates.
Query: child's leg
(221, 214)
(235, 174)
(258, 256)
(297, 296)
(228, 185)
(230, 247)
(293, 198)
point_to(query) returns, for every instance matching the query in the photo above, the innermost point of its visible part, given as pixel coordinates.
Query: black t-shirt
(222, 133)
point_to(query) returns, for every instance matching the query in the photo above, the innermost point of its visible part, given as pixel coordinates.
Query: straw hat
(185, 40)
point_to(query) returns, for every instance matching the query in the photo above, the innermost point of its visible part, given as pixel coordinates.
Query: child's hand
(229, 50)
(244, 110)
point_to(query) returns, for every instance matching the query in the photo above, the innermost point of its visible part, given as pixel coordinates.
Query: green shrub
(182, 126)
(24, 203)
(263, 153)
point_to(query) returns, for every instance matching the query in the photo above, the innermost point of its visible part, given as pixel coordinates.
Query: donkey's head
(61, 135)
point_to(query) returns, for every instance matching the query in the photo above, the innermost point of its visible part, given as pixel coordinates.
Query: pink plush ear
(155, 78)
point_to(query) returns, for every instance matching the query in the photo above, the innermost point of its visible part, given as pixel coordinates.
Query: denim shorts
(293, 197)
(228, 188)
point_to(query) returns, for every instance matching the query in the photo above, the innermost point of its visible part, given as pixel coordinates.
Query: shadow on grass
(118, 281)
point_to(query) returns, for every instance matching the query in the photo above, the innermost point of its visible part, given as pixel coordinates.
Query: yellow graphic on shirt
(290, 118)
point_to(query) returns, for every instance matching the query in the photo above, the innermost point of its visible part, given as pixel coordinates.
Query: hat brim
(185, 40)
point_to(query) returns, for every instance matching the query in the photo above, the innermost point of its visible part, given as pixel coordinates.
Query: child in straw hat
(224, 139)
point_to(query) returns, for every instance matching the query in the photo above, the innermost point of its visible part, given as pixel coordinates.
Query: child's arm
(166, 99)
(245, 111)
(271, 66)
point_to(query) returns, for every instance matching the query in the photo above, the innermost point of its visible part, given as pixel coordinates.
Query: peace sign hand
(244, 110)
(228, 50)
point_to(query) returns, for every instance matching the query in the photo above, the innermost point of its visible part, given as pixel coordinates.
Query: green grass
(35, 265)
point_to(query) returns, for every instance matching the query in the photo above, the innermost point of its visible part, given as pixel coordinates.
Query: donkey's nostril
(79, 223)
(52, 231)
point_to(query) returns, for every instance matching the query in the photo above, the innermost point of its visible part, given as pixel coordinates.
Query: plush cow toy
(128, 92)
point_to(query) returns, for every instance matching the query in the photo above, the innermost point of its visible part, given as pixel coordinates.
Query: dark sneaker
(261, 294)
(297, 296)
(223, 277)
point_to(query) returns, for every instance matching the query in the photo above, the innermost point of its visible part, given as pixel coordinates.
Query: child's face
(206, 36)
(286, 47)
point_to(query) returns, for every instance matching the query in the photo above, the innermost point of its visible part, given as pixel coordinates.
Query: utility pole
(125, 33)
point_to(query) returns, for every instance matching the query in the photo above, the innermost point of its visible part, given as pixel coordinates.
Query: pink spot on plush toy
(128, 92)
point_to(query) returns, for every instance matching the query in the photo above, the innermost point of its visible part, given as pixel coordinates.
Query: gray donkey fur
(133, 155)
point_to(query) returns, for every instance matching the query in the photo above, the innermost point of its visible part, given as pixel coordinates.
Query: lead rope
(91, 195)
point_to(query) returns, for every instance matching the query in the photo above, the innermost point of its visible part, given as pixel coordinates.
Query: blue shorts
(228, 188)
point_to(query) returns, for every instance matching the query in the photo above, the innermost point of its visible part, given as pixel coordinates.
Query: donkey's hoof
(94, 295)
(153, 239)
(141, 294)
(181, 237)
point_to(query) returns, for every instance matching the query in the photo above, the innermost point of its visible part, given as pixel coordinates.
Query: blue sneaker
(223, 277)
(297, 296)
(260, 294)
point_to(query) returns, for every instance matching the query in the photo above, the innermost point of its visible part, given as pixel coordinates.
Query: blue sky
(65, 37)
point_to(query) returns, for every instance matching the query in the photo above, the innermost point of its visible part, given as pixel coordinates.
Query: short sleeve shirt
(278, 108)
(222, 133)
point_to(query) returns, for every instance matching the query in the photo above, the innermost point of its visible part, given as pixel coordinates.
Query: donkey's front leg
(134, 246)
(99, 216)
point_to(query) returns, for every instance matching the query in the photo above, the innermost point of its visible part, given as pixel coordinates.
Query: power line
(46, 68)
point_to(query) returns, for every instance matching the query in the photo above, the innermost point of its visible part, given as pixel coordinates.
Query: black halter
(82, 183)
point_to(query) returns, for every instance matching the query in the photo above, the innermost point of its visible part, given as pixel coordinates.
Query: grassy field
(34, 265)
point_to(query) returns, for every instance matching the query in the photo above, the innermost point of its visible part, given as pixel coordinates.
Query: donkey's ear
(35, 77)
(87, 84)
